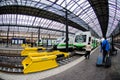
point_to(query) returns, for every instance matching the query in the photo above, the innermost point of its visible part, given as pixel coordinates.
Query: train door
(88, 38)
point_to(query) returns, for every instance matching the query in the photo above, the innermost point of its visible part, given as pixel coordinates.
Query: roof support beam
(25, 10)
(33, 27)
(101, 8)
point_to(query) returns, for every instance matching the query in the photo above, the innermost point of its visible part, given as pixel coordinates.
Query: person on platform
(88, 50)
(105, 48)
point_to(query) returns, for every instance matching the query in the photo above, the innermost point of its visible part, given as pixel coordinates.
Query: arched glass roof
(83, 10)
(79, 11)
(114, 15)
(31, 24)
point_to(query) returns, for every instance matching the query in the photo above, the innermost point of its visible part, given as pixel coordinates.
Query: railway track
(12, 63)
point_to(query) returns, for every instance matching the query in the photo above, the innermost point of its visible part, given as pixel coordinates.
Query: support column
(38, 36)
(66, 30)
(112, 43)
(66, 22)
(62, 33)
(32, 39)
(8, 36)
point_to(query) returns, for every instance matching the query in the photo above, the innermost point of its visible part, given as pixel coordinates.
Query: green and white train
(78, 42)
(61, 43)
(45, 42)
(81, 39)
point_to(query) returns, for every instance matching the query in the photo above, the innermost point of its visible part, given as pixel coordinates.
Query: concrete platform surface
(80, 69)
(87, 70)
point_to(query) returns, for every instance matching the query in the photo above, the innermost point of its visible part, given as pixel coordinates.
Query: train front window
(59, 40)
(80, 38)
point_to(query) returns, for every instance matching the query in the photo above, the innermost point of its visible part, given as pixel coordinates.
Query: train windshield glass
(59, 40)
(80, 38)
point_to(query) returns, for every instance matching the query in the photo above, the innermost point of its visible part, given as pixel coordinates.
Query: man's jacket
(105, 45)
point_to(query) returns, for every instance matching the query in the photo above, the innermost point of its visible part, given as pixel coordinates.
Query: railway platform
(79, 69)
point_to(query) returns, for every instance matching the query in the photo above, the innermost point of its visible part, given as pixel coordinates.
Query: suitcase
(108, 61)
(99, 61)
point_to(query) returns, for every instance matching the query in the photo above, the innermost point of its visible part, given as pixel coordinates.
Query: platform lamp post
(66, 22)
